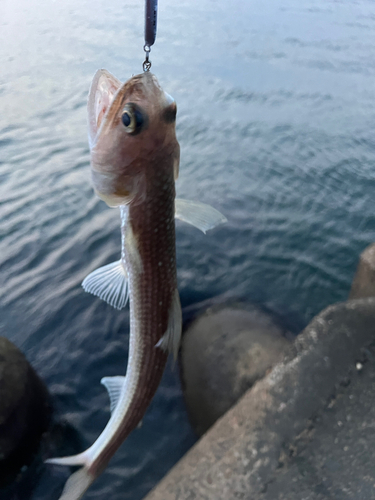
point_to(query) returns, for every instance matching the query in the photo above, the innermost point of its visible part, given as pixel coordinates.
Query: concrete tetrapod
(224, 352)
(364, 280)
(243, 453)
(24, 410)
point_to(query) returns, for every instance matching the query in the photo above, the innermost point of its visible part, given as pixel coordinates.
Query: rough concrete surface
(334, 457)
(224, 352)
(298, 433)
(364, 280)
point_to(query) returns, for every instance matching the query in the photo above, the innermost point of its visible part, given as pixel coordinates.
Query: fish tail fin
(77, 484)
(80, 459)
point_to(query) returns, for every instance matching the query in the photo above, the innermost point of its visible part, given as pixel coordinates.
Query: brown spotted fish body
(134, 162)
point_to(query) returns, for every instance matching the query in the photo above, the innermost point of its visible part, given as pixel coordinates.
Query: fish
(134, 165)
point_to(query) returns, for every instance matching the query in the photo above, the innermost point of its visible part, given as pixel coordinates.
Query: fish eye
(126, 119)
(132, 118)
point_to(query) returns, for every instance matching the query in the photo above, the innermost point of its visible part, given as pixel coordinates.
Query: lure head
(131, 130)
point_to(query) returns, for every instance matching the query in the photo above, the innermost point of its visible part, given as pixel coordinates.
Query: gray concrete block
(364, 280)
(24, 410)
(242, 454)
(224, 352)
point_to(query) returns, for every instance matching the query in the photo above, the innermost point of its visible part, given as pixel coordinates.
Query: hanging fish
(134, 165)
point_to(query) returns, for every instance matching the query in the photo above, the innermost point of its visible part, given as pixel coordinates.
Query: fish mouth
(103, 90)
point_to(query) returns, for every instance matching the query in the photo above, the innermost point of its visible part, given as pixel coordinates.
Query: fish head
(131, 130)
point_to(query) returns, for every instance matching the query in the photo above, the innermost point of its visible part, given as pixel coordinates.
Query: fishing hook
(147, 62)
(151, 11)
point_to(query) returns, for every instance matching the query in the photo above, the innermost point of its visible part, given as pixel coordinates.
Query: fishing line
(151, 12)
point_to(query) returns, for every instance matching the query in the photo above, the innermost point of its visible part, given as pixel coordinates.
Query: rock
(224, 352)
(364, 280)
(24, 410)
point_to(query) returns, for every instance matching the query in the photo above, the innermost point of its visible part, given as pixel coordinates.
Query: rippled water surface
(276, 121)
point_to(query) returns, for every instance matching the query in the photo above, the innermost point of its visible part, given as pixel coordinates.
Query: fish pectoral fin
(199, 215)
(170, 341)
(114, 387)
(109, 283)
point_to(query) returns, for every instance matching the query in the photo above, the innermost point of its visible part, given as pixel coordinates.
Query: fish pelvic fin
(109, 283)
(77, 484)
(199, 215)
(170, 341)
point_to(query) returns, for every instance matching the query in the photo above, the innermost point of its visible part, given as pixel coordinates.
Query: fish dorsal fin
(170, 341)
(198, 214)
(109, 283)
(114, 387)
(103, 88)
